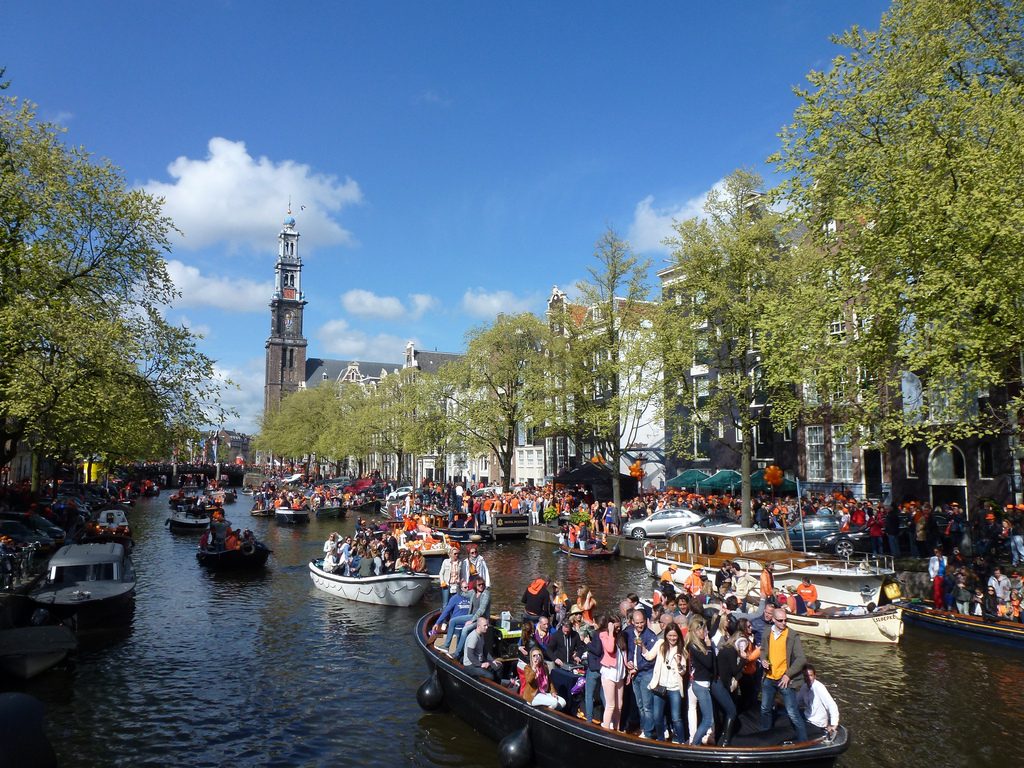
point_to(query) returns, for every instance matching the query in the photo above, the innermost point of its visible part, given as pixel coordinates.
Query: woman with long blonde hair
(585, 600)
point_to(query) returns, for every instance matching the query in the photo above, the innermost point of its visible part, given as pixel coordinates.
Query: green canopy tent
(725, 480)
(691, 478)
(758, 484)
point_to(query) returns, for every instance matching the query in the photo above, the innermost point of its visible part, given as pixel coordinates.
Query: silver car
(656, 525)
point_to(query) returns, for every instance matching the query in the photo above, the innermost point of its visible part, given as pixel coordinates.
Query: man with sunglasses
(782, 657)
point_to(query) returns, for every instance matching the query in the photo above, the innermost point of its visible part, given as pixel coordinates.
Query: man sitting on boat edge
(477, 657)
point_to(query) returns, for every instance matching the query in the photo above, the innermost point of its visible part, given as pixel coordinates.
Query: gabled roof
(431, 362)
(316, 367)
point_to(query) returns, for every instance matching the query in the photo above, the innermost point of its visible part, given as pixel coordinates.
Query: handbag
(659, 690)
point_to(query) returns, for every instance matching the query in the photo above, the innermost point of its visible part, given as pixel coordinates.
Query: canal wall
(913, 574)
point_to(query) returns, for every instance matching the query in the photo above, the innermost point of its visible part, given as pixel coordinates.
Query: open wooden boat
(400, 589)
(973, 627)
(590, 554)
(538, 735)
(883, 626)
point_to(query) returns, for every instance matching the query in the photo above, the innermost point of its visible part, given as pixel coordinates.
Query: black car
(22, 535)
(810, 533)
(36, 523)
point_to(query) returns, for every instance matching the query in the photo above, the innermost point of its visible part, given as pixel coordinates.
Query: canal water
(268, 671)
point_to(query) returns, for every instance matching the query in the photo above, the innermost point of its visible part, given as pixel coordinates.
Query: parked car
(807, 535)
(36, 523)
(399, 494)
(22, 535)
(490, 490)
(656, 525)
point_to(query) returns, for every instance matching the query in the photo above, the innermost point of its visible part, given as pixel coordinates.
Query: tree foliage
(87, 361)
(497, 386)
(605, 382)
(905, 163)
(718, 286)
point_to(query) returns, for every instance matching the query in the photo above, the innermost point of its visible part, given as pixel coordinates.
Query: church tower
(286, 347)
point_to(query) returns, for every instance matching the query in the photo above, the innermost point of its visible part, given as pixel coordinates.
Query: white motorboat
(91, 584)
(839, 582)
(400, 589)
(189, 517)
(882, 626)
(108, 525)
(27, 651)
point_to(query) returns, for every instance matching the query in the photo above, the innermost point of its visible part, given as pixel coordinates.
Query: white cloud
(421, 303)
(338, 338)
(480, 303)
(246, 397)
(364, 303)
(231, 197)
(652, 225)
(430, 96)
(236, 294)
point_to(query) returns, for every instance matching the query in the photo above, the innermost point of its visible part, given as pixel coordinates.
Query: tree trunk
(745, 455)
(36, 469)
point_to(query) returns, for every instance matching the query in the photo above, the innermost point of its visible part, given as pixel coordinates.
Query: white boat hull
(871, 628)
(398, 589)
(838, 584)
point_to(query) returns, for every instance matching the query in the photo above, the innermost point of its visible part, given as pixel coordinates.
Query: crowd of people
(679, 667)
(371, 552)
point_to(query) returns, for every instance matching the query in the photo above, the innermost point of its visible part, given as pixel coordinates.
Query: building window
(837, 329)
(701, 386)
(811, 394)
(986, 462)
(325, 376)
(910, 462)
(842, 456)
(815, 444)
(787, 433)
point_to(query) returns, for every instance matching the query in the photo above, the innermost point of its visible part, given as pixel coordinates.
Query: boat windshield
(69, 574)
(765, 541)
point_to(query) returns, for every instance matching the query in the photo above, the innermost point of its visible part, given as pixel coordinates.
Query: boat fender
(22, 733)
(515, 750)
(430, 694)
(248, 548)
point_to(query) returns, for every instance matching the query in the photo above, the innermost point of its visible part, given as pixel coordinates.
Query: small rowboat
(974, 627)
(330, 511)
(590, 554)
(401, 589)
(545, 737)
(882, 626)
(252, 555)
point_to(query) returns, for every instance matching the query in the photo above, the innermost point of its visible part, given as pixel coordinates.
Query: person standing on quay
(937, 573)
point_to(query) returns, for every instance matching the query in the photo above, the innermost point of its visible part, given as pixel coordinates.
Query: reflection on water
(266, 670)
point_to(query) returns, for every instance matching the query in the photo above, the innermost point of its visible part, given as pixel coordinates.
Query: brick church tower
(286, 347)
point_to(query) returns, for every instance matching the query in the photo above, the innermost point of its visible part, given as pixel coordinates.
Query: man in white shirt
(819, 707)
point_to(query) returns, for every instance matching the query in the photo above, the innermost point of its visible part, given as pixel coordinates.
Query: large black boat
(540, 736)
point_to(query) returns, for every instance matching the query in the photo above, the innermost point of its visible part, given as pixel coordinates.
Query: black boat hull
(556, 739)
(234, 559)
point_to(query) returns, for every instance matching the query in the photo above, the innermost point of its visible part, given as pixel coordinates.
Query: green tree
(496, 386)
(716, 294)
(82, 278)
(606, 383)
(904, 164)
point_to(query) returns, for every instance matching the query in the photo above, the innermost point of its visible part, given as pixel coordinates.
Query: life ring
(248, 548)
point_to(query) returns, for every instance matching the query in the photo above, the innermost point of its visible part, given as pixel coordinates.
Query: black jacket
(563, 647)
(703, 663)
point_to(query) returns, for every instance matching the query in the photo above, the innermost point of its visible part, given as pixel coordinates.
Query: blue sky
(454, 159)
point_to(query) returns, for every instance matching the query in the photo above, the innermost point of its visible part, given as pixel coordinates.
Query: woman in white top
(668, 681)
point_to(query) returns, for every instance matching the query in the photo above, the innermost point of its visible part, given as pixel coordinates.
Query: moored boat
(882, 626)
(973, 627)
(27, 651)
(839, 582)
(601, 553)
(399, 589)
(91, 584)
(538, 735)
(108, 525)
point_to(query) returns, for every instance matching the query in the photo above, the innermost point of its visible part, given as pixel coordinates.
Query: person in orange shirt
(809, 593)
(767, 582)
(694, 583)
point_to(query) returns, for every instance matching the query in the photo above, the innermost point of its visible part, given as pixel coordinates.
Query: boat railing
(797, 561)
